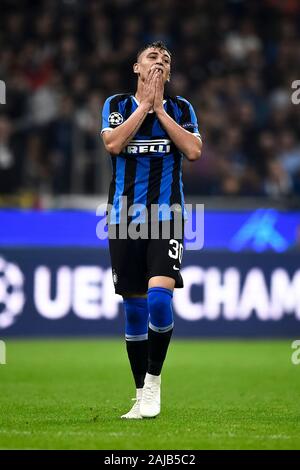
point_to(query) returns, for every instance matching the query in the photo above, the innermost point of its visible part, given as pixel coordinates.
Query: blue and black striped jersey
(148, 171)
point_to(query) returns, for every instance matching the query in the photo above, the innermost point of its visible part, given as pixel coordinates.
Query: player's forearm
(189, 144)
(119, 137)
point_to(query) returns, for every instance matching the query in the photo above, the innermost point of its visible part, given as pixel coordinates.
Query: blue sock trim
(165, 329)
(136, 337)
(136, 317)
(160, 289)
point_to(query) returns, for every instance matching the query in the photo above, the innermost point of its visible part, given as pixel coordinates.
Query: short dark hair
(157, 45)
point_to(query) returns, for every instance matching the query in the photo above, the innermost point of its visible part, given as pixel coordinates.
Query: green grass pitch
(69, 394)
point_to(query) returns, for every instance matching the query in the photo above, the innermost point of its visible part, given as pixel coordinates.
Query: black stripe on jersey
(175, 197)
(128, 107)
(112, 186)
(155, 173)
(129, 185)
(185, 110)
(147, 125)
(114, 105)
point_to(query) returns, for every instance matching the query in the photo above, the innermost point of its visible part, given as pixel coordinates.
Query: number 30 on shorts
(176, 249)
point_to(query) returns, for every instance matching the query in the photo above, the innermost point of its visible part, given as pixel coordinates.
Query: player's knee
(136, 318)
(160, 308)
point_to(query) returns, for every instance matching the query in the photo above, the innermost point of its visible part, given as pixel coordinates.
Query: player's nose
(160, 64)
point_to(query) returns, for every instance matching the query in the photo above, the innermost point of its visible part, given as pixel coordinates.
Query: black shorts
(135, 261)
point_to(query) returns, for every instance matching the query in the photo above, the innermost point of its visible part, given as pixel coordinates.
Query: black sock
(138, 357)
(157, 350)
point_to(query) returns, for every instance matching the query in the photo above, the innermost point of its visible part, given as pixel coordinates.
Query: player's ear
(136, 68)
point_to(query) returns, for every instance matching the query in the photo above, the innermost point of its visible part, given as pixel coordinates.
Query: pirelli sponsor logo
(148, 146)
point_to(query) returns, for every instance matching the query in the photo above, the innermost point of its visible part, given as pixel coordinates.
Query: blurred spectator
(61, 140)
(234, 60)
(289, 157)
(8, 164)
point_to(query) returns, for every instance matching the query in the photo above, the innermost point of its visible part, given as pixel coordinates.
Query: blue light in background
(259, 233)
(260, 230)
(49, 228)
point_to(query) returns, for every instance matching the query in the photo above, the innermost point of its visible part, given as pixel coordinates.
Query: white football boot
(150, 403)
(134, 413)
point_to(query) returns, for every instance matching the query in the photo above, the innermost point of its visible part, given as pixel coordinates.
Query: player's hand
(159, 92)
(149, 88)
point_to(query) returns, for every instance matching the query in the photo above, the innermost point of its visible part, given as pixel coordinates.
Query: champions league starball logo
(12, 297)
(115, 119)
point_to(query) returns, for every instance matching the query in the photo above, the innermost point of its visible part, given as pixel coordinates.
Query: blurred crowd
(234, 60)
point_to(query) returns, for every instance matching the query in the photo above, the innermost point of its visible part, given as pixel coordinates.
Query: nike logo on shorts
(176, 269)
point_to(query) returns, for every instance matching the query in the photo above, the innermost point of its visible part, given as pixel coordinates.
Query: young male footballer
(147, 135)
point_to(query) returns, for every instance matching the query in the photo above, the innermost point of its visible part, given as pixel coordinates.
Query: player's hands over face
(159, 92)
(148, 93)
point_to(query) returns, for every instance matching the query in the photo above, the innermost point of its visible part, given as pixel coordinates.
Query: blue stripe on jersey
(120, 178)
(122, 105)
(192, 114)
(166, 185)
(175, 111)
(157, 129)
(141, 186)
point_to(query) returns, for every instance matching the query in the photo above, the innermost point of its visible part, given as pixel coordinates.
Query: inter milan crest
(115, 119)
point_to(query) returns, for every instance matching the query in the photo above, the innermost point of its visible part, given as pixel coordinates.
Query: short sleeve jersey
(148, 171)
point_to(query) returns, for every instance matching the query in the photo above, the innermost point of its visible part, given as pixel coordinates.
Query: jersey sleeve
(187, 116)
(111, 114)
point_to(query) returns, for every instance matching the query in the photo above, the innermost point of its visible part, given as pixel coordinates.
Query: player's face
(153, 57)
